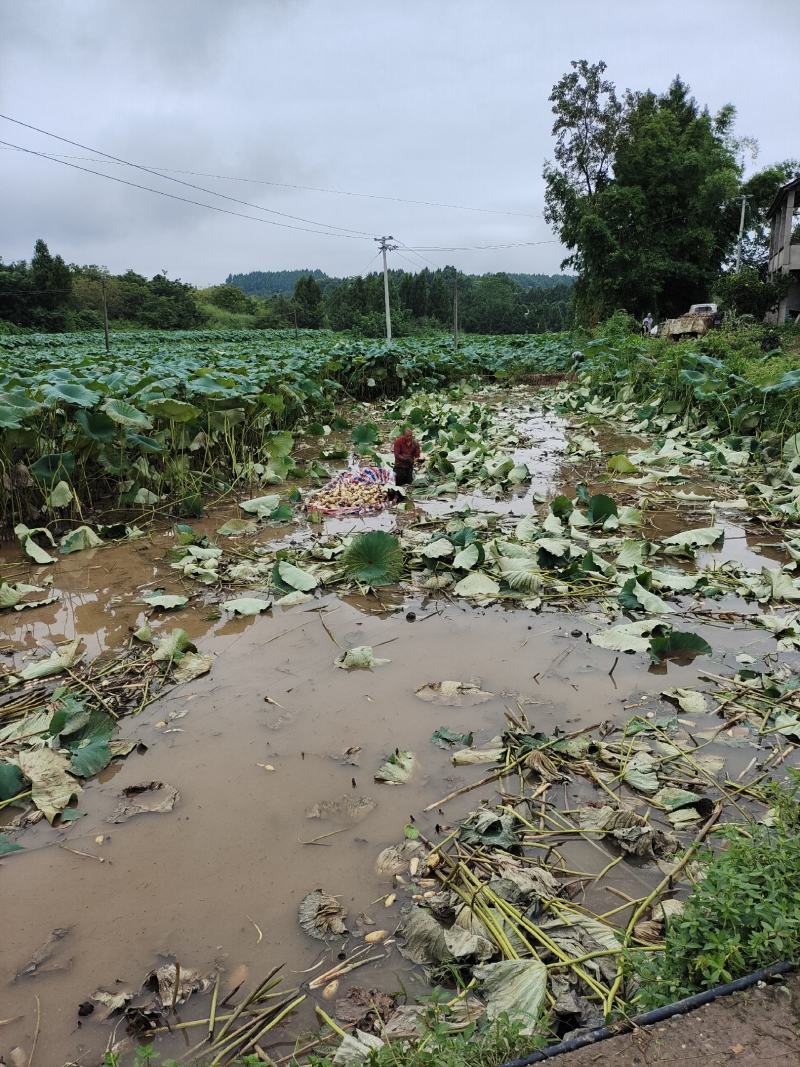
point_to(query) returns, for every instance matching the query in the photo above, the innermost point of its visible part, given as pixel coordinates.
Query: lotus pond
(177, 417)
(478, 741)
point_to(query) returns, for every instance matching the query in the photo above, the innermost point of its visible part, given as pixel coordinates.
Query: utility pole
(745, 198)
(386, 247)
(455, 314)
(105, 309)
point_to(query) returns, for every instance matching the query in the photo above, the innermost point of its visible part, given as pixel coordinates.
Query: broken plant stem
(653, 896)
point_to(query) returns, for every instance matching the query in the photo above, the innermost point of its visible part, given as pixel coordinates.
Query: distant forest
(487, 303)
(48, 294)
(282, 282)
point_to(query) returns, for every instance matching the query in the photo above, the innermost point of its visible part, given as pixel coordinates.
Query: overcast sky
(434, 100)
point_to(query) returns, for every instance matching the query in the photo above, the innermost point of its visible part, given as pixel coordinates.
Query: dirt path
(756, 1028)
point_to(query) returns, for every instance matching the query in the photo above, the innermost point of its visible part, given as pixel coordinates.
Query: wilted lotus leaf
(142, 799)
(630, 830)
(454, 694)
(515, 988)
(428, 943)
(322, 916)
(360, 658)
(346, 807)
(397, 769)
(395, 859)
(52, 787)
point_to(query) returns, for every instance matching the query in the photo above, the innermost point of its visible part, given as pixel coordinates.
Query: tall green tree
(307, 302)
(640, 192)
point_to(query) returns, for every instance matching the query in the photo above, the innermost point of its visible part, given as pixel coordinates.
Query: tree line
(47, 294)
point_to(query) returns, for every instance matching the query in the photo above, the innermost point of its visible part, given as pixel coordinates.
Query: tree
(745, 292)
(50, 278)
(228, 297)
(307, 302)
(640, 192)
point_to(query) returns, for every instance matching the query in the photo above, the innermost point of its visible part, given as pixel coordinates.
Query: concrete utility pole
(455, 314)
(105, 309)
(745, 198)
(386, 247)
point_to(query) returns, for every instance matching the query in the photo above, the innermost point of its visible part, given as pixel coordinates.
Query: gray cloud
(441, 101)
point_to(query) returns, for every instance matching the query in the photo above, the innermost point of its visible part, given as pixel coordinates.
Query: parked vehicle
(697, 321)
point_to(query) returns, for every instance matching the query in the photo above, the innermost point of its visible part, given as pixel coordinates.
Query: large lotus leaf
(629, 637)
(515, 988)
(640, 772)
(54, 466)
(144, 444)
(600, 508)
(171, 646)
(468, 557)
(125, 414)
(441, 548)
(58, 660)
(77, 540)
(172, 409)
(11, 417)
(365, 435)
(780, 585)
(444, 737)
(679, 646)
(632, 596)
(620, 464)
(11, 783)
(90, 757)
(374, 558)
(52, 787)
(791, 446)
(60, 496)
(247, 605)
(27, 538)
(322, 916)
(688, 700)
(295, 577)
(279, 444)
(96, 425)
(477, 584)
(700, 537)
(520, 573)
(237, 528)
(261, 505)
(167, 601)
(75, 394)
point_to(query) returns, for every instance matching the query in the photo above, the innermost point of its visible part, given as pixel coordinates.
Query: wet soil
(756, 1028)
(254, 746)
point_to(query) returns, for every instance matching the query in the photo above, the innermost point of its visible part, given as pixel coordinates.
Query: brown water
(233, 854)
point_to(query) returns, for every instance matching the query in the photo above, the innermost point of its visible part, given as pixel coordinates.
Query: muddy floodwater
(255, 750)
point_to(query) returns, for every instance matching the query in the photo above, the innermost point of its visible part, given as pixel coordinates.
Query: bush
(743, 915)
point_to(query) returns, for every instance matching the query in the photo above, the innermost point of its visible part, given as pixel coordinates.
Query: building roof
(781, 194)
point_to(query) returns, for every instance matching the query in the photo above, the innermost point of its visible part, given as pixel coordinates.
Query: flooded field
(273, 755)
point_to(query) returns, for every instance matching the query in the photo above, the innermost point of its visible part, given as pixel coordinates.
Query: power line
(184, 199)
(323, 189)
(478, 248)
(167, 177)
